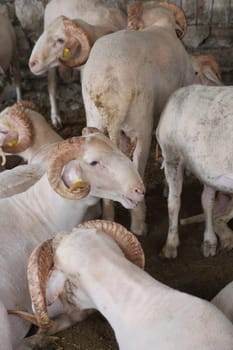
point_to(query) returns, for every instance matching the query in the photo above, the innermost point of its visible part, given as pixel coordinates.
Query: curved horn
(134, 14)
(39, 265)
(17, 117)
(27, 316)
(124, 238)
(28, 104)
(76, 32)
(179, 16)
(63, 153)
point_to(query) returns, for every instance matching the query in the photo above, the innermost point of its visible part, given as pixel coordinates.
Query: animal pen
(210, 31)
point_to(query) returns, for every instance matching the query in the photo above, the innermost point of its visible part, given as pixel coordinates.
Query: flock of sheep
(58, 262)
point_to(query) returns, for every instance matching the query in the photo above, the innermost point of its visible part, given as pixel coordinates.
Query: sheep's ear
(72, 177)
(211, 76)
(55, 286)
(72, 50)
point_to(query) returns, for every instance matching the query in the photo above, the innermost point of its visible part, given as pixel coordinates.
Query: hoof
(227, 243)
(139, 229)
(168, 252)
(209, 249)
(56, 121)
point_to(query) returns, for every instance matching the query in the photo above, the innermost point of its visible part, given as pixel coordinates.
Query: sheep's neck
(95, 31)
(99, 31)
(44, 139)
(55, 212)
(117, 289)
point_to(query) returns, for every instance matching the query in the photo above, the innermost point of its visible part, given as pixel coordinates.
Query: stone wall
(210, 29)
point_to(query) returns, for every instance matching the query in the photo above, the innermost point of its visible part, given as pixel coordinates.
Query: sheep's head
(142, 15)
(50, 272)
(64, 41)
(207, 70)
(16, 131)
(92, 163)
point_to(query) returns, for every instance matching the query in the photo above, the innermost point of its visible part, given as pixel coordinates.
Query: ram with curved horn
(85, 274)
(81, 170)
(70, 29)
(24, 132)
(137, 72)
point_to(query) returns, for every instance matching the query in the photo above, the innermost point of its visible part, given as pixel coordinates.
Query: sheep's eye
(196, 73)
(94, 163)
(60, 41)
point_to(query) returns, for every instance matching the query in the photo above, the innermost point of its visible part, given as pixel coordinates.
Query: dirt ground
(190, 272)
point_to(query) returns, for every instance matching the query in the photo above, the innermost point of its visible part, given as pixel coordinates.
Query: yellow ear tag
(73, 187)
(139, 29)
(66, 52)
(12, 143)
(77, 181)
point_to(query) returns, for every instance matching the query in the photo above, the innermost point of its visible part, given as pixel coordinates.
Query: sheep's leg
(174, 176)
(138, 214)
(210, 239)
(108, 210)
(52, 89)
(16, 76)
(140, 157)
(224, 233)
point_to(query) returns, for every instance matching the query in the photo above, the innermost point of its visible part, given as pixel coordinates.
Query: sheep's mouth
(129, 203)
(39, 71)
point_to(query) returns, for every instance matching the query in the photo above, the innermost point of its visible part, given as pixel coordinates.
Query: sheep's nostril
(140, 191)
(33, 63)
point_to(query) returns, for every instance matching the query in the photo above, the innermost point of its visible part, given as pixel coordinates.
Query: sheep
(8, 54)
(89, 269)
(137, 72)
(196, 121)
(224, 300)
(25, 132)
(61, 40)
(207, 70)
(81, 169)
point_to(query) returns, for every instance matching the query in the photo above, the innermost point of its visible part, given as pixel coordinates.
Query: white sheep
(68, 43)
(25, 132)
(8, 53)
(137, 72)
(90, 269)
(195, 133)
(224, 300)
(80, 171)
